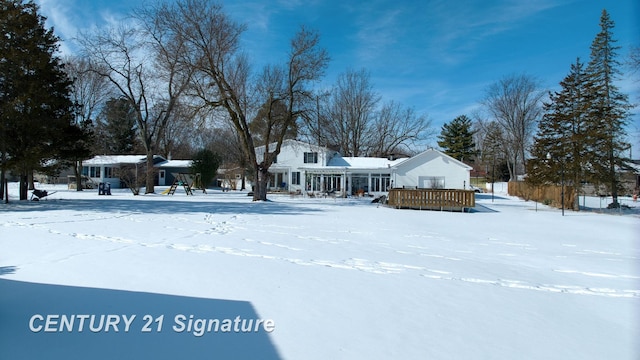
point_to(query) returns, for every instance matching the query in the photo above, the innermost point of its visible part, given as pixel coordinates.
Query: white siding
(429, 167)
(291, 159)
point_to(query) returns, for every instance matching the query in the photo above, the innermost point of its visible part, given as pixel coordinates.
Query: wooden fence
(432, 199)
(548, 195)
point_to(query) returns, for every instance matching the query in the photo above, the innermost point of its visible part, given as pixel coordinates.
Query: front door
(161, 178)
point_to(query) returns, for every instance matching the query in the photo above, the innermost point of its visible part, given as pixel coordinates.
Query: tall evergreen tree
(609, 112)
(35, 105)
(559, 150)
(116, 128)
(456, 139)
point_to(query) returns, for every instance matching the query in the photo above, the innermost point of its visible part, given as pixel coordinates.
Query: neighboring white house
(103, 168)
(302, 167)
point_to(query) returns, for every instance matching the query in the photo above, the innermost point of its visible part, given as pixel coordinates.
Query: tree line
(174, 77)
(573, 136)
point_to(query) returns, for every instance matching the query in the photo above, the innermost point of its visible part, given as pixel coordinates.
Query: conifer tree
(116, 128)
(205, 163)
(605, 132)
(456, 139)
(36, 113)
(558, 150)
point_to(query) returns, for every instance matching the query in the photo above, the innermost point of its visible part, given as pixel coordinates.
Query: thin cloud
(459, 30)
(58, 16)
(378, 30)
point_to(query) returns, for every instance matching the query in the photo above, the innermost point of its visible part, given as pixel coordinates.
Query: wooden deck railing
(432, 199)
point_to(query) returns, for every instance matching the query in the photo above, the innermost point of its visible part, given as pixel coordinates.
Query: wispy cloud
(378, 28)
(458, 29)
(60, 17)
(70, 17)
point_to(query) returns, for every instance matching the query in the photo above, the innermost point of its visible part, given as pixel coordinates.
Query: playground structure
(188, 181)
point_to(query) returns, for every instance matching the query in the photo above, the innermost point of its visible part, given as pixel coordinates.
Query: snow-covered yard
(317, 278)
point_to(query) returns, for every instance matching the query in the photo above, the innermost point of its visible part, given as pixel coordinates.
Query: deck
(432, 199)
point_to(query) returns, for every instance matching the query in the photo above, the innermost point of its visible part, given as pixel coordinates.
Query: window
(311, 158)
(332, 182)
(313, 182)
(108, 172)
(91, 171)
(295, 178)
(431, 182)
(380, 182)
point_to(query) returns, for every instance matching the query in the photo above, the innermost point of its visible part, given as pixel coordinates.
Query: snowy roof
(175, 163)
(634, 167)
(292, 143)
(364, 162)
(115, 159)
(118, 159)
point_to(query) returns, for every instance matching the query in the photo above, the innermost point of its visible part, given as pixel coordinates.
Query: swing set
(188, 181)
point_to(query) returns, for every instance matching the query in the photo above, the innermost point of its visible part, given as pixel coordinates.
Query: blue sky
(436, 56)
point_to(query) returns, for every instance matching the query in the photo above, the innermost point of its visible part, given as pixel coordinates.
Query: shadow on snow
(5, 270)
(160, 206)
(20, 301)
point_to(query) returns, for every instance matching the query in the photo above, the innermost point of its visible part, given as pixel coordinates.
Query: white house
(104, 168)
(307, 168)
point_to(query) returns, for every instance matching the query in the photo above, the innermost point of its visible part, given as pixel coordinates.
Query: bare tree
(351, 120)
(143, 63)
(272, 118)
(351, 113)
(288, 85)
(397, 130)
(491, 146)
(515, 103)
(315, 123)
(223, 75)
(89, 92)
(177, 139)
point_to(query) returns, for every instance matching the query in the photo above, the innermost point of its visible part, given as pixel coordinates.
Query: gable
(292, 153)
(430, 156)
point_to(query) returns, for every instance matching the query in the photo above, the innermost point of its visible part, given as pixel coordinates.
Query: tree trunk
(260, 188)
(30, 180)
(614, 182)
(23, 188)
(511, 168)
(150, 174)
(77, 169)
(2, 184)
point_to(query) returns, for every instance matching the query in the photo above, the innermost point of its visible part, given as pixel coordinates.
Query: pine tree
(605, 132)
(116, 128)
(35, 105)
(456, 139)
(558, 152)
